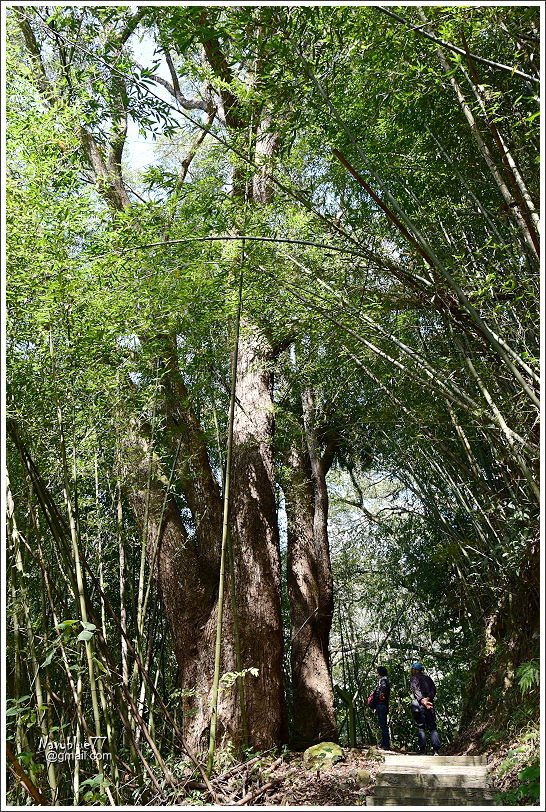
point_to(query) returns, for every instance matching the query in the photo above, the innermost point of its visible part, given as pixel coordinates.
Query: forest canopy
(272, 357)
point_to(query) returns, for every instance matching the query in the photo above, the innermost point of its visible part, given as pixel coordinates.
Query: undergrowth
(516, 765)
(517, 773)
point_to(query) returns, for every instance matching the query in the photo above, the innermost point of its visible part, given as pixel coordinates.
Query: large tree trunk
(310, 588)
(188, 568)
(187, 582)
(256, 542)
(187, 561)
(254, 521)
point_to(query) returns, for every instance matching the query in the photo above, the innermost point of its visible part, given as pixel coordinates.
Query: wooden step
(429, 800)
(441, 781)
(416, 760)
(442, 769)
(432, 767)
(432, 780)
(441, 793)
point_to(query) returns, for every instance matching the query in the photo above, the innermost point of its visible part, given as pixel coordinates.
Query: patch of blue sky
(143, 150)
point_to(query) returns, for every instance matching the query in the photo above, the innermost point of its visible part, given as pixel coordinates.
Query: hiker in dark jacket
(422, 708)
(382, 694)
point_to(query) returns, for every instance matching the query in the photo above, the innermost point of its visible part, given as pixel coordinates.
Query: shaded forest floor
(346, 783)
(272, 780)
(287, 781)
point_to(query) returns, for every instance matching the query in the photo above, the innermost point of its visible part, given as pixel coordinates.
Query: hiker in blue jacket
(382, 695)
(422, 708)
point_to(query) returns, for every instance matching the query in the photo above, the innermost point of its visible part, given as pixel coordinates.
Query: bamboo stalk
(407, 350)
(434, 383)
(122, 580)
(513, 71)
(74, 537)
(511, 436)
(518, 182)
(76, 689)
(20, 737)
(99, 542)
(36, 673)
(59, 530)
(76, 774)
(508, 355)
(484, 151)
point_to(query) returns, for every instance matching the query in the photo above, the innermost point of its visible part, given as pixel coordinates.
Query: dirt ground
(346, 783)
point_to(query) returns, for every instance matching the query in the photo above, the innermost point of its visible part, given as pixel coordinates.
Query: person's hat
(417, 666)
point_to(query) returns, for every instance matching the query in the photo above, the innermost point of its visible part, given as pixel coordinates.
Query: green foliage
(517, 776)
(17, 706)
(432, 509)
(95, 789)
(492, 736)
(229, 678)
(528, 676)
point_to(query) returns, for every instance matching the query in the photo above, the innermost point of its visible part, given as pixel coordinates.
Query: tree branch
(329, 453)
(33, 48)
(131, 25)
(117, 142)
(219, 64)
(107, 177)
(187, 104)
(194, 149)
(172, 69)
(23, 778)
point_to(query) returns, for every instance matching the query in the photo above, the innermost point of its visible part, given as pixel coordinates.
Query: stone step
(425, 761)
(431, 780)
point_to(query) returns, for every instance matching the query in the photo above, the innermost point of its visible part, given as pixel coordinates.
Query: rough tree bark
(310, 584)
(255, 540)
(188, 568)
(187, 583)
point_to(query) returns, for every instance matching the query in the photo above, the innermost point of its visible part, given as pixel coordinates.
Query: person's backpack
(372, 700)
(428, 688)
